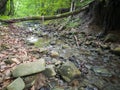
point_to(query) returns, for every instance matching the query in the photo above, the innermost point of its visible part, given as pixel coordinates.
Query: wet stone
(7, 74)
(65, 46)
(29, 81)
(29, 68)
(99, 51)
(11, 61)
(101, 71)
(68, 71)
(56, 61)
(105, 47)
(66, 53)
(112, 87)
(45, 34)
(45, 88)
(17, 84)
(95, 80)
(31, 40)
(53, 42)
(57, 89)
(49, 71)
(8, 61)
(90, 88)
(71, 88)
(116, 51)
(54, 54)
(43, 50)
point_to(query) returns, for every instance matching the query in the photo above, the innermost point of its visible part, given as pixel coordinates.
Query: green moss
(42, 42)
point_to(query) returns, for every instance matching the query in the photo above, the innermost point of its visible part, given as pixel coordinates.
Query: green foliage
(41, 7)
(85, 2)
(38, 7)
(4, 17)
(73, 23)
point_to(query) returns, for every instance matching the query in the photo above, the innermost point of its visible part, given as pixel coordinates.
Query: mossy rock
(17, 84)
(69, 71)
(49, 71)
(29, 68)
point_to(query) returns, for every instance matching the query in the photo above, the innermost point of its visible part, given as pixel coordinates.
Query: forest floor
(27, 42)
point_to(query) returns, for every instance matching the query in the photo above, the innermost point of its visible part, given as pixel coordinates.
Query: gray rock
(72, 88)
(68, 71)
(91, 88)
(105, 46)
(93, 80)
(53, 42)
(29, 81)
(49, 71)
(54, 54)
(12, 60)
(64, 46)
(43, 50)
(116, 51)
(32, 39)
(17, 84)
(112, 87)
(29, 68)
(101, 71)
(99, 50)
(57, 89)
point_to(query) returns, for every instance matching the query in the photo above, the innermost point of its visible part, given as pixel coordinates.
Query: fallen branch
(77, 43)
(44, 17)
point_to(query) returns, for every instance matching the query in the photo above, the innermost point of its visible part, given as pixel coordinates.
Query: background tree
(3, 6)
(106, 14)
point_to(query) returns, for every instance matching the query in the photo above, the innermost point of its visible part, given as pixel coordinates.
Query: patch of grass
(72, 24)
(4, 17)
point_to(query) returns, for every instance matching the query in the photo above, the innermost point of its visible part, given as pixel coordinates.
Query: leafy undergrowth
(13, 51)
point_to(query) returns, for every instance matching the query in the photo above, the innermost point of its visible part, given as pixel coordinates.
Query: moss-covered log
(44, 17)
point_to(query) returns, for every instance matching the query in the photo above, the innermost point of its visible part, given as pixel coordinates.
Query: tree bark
(72, 6)
(106, 14)
(11, 11)
(3, 6)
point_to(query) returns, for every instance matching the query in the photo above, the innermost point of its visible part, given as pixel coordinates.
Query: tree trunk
(11, 11)
(106, 14)
(72, 6)
(3, 6)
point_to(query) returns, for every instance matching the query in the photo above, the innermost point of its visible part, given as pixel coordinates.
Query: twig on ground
(77, 43)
